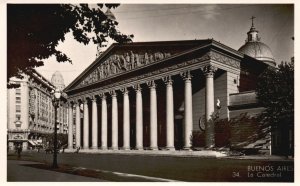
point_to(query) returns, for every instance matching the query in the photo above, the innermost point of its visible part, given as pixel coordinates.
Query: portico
(150, 96)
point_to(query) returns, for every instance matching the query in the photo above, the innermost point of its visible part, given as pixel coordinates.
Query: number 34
(235, 174)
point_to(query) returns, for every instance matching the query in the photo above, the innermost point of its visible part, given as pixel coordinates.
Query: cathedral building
(30, 112)
(159, 95)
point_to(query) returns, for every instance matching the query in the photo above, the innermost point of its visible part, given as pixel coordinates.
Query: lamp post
(55, 99)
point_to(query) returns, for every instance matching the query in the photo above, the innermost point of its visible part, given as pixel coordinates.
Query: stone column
(188, 110)
(103, 122)
(94, 124)
(209, 71)
(114, 120)
(85, 125)
(153, 115)
(77, 106)
(70, 130)
(139, 118)
(126, 120)
(169, 113)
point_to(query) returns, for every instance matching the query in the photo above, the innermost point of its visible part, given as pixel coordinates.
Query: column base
(114, 148)
(103, 148)
(153, 148)
(187, 148)
(94, 147)
(125, 148)
(139, 148)
(85, 148)
(170, 148)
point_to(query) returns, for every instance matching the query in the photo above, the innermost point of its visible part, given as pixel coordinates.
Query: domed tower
(57, 80)
(256, 49)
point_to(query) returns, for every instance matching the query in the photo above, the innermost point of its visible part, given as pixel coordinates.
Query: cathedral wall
(198, 106)
(224, 84)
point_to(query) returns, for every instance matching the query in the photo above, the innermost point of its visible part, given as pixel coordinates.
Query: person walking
(19, 150)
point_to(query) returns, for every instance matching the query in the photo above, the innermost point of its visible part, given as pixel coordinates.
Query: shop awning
(32, 142)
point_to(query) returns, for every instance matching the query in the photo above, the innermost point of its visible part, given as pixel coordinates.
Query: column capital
(97, 94)
(186, 75)
(209, 70)
(124, 90)
(168, 80)
(102, 95)
(113, 93)
(83, 99)
(77, 100)
(90, 96)
(93, 99)
(75, 103)
(137, 87)
(151, 84)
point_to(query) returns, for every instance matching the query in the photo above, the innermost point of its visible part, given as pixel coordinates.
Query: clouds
(210, 11)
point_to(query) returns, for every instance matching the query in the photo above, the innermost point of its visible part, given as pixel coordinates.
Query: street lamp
(55, 100)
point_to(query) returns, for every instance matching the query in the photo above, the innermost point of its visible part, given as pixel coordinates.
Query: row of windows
(18, 91)
(18, 108)
(18, 99)
(18, 116)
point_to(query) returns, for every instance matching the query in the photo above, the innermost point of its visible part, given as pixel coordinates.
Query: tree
(61, 138)
(34, 31)
(275, 92)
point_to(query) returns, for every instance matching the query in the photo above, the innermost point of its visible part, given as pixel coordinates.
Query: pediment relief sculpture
(118, 63)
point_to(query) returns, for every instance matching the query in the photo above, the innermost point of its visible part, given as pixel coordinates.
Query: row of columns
(188, 118)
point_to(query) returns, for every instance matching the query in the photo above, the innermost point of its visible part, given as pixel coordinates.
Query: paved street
(154, 168)
(16, 171)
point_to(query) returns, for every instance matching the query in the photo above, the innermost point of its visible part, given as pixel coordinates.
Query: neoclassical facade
(155, 95)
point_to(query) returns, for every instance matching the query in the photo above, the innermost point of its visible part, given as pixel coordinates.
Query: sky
(226, 23)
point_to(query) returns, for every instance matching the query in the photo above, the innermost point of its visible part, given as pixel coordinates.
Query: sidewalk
(166, 153)
(16, 172)
(181, 153)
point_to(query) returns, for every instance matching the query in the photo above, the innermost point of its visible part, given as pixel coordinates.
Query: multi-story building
(58, 81)
(31, 112)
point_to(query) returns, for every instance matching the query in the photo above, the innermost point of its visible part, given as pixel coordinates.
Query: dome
(257, 49)
(57, 80)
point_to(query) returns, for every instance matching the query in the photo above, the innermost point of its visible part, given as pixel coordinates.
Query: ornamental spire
(253, 33)
(252, 20)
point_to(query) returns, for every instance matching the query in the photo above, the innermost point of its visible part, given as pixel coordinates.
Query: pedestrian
(19, 150)
(77, 150)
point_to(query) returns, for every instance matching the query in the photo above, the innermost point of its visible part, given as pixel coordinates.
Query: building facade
(57, 81)
(31, 112)
(158, 95)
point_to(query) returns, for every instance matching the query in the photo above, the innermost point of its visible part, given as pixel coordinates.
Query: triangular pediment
(124, 58)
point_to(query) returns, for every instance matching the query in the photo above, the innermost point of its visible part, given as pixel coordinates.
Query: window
(18, 99)
(18, 91)
(18, 108)
(18, 117)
